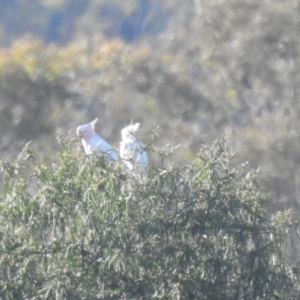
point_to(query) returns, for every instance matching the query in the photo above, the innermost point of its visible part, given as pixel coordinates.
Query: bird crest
(93, 123)
(130, 130)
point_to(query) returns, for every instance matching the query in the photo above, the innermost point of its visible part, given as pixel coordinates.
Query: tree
(81, 229)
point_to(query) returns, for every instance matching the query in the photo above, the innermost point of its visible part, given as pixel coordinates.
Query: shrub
(82, 229)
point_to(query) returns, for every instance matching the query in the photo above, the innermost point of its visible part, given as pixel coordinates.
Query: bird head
(129, 132)
(86, 130)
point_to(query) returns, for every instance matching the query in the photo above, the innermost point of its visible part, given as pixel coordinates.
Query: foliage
(47, 83)
(81, 229)
(217, 68)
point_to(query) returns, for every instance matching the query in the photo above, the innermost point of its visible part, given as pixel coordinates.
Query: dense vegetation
(81, 229)
(214, 69)
(199, 71)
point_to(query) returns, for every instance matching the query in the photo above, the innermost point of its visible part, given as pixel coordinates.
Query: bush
(81, 229)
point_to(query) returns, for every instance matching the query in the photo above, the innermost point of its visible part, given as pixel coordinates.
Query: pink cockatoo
(92, 142)
(132, 152)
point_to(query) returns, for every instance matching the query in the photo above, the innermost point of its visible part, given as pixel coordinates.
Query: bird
(132, 152)
(92, 142)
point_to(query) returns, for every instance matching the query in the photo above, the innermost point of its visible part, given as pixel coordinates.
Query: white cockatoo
(92, 142)
(132, 152)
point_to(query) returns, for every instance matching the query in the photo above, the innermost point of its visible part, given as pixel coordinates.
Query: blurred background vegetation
(200, 70)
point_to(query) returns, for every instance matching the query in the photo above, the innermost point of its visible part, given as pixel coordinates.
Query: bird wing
(141, 154)
(127, 154)
(98, 143)
(135, 158)
(141, 162)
